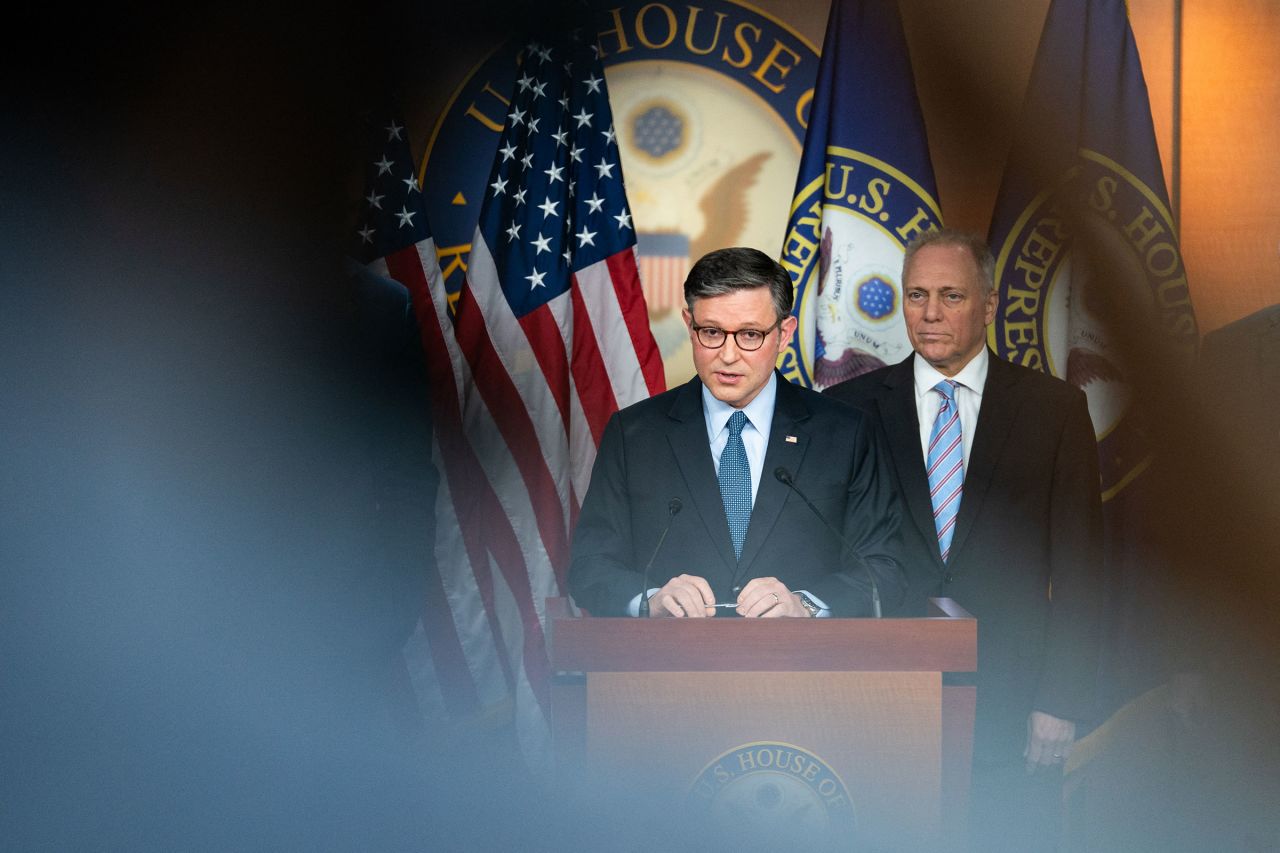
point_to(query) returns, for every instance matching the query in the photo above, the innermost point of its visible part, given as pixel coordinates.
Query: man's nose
(729, 352)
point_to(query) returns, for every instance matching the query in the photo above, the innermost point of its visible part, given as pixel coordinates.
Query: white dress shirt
(970, 381)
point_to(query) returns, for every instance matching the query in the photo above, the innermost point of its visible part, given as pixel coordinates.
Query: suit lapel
(902, 426)
(995, 419)
(688, 441)
(787, 445)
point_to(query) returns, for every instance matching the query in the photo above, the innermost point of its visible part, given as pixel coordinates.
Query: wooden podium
(852, 707)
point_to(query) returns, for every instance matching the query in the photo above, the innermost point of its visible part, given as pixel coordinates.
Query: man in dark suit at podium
(711, 465)
(997, 466)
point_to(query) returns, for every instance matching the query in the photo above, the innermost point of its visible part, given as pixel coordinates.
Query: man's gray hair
(730, 270)
(972, 243)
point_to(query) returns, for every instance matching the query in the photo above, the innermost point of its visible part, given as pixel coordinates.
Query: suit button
(949, 577)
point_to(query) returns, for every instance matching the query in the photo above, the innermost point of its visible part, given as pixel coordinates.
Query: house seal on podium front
(770, 791)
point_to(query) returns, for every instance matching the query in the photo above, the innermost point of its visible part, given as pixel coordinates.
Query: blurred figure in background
(216, 490)
(1192, 764)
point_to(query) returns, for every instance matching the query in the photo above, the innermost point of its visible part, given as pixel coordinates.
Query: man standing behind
(997, 466)
(705, 462)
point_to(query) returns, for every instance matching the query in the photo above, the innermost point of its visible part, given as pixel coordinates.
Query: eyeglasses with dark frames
(748, 340)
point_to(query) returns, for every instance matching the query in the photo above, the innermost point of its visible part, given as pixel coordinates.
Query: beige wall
(1231, 156)
(972, 59)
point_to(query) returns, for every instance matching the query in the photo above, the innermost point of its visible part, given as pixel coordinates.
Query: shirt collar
(973, 376)
(759, 411)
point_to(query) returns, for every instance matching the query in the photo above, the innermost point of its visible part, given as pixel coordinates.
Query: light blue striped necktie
(735, 482)
(945, 463)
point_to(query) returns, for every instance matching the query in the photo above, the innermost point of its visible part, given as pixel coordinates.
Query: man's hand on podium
(768, 598)
(691, 596)
(686, 595)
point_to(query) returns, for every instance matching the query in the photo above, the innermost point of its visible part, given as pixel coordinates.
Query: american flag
(550, 338)
(394, 240)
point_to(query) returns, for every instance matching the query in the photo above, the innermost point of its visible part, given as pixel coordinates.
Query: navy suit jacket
(657, 450)
(1026, 556)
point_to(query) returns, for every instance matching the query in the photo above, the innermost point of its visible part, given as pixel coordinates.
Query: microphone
(673, 509)
(783, 476)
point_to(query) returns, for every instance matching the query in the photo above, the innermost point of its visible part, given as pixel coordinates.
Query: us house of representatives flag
(549, 338)
(1085, 171)
(865, 188)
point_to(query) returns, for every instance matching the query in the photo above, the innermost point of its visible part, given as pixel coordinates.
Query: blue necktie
(735, 482)
(945, 463)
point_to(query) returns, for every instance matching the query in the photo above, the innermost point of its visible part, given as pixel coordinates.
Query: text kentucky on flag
(1087, 252)
(865, 188)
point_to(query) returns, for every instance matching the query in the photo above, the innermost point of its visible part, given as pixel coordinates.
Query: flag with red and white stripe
(550, 337)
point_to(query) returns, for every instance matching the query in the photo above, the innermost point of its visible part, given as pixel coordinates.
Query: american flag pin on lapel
(791, 439)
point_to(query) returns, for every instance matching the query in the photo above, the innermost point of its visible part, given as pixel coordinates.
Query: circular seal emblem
(772, 795)
(848, 249)
(1054, 302)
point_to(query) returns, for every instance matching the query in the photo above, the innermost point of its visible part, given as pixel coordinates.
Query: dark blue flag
(1087, 255)
(864, 189)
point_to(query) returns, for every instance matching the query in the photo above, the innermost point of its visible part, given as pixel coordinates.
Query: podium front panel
(699, 732)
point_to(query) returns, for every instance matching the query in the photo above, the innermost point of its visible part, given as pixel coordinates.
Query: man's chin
(731, 393)
(734, 400)
(936, 355)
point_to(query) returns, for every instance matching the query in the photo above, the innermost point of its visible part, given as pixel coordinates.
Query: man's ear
(786, 329)
(989, 312)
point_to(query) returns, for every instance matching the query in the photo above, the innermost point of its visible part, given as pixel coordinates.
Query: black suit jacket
(657, 449)
(1030, 520)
